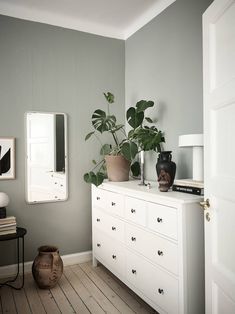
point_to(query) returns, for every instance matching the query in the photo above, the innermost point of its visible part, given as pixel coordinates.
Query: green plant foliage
(142, 105)
(135, 169)
(130, 134)
(149, 138)
(101, 122)
(96, 179)
(117, 127)
(105, 149)
(129, 150)
(140, 137)
(149, 120)
(109, 97)
(89, 135)
(134, 118)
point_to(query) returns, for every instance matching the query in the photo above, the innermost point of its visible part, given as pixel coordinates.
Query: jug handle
(55, 259)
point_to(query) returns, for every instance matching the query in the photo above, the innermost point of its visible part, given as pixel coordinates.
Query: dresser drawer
(154, 283)
(163, 219)
(111, 253)
(100, 245)
(111, 202)
(115, 203)
(116, 258)
(135, 210)
(110, 225)
(152, 246)
(98, 198)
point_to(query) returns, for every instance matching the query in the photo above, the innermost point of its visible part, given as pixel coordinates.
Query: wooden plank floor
(81, 289)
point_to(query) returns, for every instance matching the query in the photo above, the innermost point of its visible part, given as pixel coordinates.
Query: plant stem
(102, 161)
(101, 165)
(123, 131)
(101, 144)
(115, 138)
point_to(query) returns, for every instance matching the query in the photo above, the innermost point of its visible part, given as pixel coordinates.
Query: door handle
(205, 204)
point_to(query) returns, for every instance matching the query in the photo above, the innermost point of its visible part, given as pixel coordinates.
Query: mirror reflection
(46, 157)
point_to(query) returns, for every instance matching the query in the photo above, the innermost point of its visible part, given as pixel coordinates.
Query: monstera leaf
(96, 179)
(135, 169)
(129, 150)
(101, 122)
(109, 97)
(134, 118)
(149, 138)
(142, 105)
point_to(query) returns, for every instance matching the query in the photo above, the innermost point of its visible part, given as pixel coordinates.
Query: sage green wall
(164, 63)
(48, 68)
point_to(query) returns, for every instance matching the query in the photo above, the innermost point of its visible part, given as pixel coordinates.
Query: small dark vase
(165, 171)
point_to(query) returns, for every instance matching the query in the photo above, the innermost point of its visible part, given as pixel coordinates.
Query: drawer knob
(113, 228)
(132, 210)
(133, 239)
(160, 291)
(114, 256)
(133, 271)
(113, 204)
(159, 219)
(160, 253)
(98, 244)
(98, 219)
(98, 198)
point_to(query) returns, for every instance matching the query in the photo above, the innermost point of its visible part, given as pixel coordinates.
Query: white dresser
(152, 241)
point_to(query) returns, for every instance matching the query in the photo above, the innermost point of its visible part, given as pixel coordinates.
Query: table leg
(7, 283)
(22, 262)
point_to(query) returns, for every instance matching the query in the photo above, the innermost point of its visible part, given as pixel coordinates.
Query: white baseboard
(76, 258)
(70, 259)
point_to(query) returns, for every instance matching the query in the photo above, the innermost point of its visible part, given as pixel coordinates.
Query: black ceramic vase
(165, 171)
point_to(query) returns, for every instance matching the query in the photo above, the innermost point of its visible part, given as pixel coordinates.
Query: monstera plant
(126, 146)
(147, 137)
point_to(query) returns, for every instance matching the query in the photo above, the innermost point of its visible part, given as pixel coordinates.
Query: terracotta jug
(47, 267)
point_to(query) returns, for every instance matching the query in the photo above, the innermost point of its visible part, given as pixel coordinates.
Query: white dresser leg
(94, 262)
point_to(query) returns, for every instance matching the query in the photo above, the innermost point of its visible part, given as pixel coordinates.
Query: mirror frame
(66, 158)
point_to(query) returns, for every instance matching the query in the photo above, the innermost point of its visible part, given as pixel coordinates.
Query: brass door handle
(205, 204)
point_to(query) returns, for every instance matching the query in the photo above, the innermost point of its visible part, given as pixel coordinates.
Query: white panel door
(219, 130)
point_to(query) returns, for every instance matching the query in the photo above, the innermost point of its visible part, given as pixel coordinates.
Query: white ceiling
(111, 18)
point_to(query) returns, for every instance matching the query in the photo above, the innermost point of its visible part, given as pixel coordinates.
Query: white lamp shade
(191, 140)
(4, 199)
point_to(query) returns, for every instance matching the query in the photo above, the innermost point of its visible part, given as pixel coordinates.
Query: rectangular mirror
(46, 157)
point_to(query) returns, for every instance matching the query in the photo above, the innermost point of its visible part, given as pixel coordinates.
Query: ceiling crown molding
(147, 16)
(18, 10)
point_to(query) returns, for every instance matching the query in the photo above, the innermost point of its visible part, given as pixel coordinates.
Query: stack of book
(189, 186)
(7, 225)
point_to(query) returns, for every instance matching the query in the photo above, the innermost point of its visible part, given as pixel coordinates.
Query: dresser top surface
(133, 188)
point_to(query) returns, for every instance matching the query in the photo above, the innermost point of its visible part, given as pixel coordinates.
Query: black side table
(20, 233)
